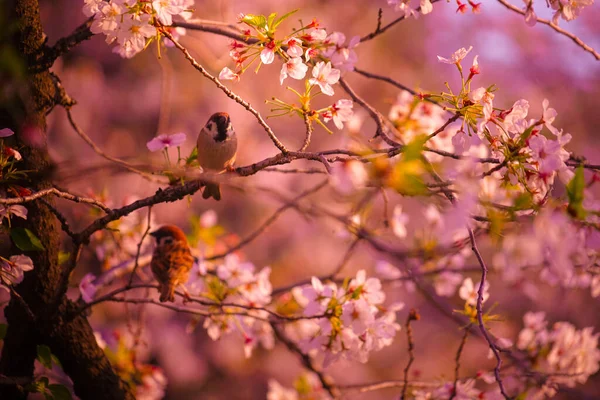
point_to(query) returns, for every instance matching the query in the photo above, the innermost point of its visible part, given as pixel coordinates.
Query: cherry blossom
(165, 9)
(324, 76)
(228, 75)
(87, 289)
(340, 112)
(456, 57)
(399, 221)
(468, 292)
(165, 141)
(347, 177)
(294, 49)
(294, 68)
(12, 269)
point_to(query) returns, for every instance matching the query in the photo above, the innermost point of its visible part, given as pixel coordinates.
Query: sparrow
(217, 147)
(172, 260)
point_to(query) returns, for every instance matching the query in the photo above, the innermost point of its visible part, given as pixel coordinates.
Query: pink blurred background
(124, 103)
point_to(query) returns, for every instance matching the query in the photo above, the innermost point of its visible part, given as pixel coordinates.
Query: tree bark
(44, 315)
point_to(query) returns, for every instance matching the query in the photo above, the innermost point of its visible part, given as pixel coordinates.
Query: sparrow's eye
(166, 240)
(222, 120)
(209, 126)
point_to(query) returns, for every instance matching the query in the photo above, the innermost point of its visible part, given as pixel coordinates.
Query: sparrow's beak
(154, 234)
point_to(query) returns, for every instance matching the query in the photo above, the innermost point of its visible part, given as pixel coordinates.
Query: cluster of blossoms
(133, 24)
(238, 295)
(306, 47)
(123, 352)
(565, 9)
(554, 247)
(567, 355)
(408, 10)
(345, 322)
(306, 387)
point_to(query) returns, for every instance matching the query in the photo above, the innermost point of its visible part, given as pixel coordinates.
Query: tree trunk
(70, 338)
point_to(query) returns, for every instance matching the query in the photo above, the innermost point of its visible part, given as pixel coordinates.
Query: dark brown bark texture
(44, 315)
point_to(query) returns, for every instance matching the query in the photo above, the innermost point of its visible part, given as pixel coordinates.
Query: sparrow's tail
(212, 190)
(167, 292)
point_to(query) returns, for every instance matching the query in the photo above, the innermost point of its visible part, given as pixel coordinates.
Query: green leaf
(192, 157)
(44, 356)
(63, 257)
(270, 19)
(525, 135)
(3, 330)
(25, 240)
(575, 193)
(413, 150)
(282, 18)
(257, 21)
(60, 392)
(524, 201)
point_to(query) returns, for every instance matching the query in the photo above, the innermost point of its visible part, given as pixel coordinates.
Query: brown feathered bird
(172, 260)
(217, 147)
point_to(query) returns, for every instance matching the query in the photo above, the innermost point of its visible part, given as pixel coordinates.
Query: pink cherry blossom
(325, 76)
(340, 112)
(228, 75)
(456, 57)
(87, 288)
(6, 132)
(165, 141)
(293, 68)
(294, 49)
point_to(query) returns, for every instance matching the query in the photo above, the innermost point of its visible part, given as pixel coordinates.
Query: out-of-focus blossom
(342, 56)
(399, 221)
(87, 288)
(6, 132)
(208, 219)
(349, 176)
(278, 392)
(165, 141)
(153, 385)
(468, 292)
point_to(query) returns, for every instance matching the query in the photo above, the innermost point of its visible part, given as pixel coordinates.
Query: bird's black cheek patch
(209, 126)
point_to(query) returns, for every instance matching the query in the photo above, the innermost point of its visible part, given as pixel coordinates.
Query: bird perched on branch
(217, 147)
(172, 260)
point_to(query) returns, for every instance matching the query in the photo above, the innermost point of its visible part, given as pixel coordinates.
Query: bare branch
(413, 315)
(557, 28)
(56, 192)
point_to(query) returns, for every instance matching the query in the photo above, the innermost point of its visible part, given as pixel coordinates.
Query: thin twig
(101, 153)
(139, 246)
(309, 131)
(375, 115)
(413, 315)
(326, 381)
(269, 221)
(229, 93)
(557, 28)
(441, 128)
(58, 193)
(484, 271)
(381, 30)
(457, 359)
